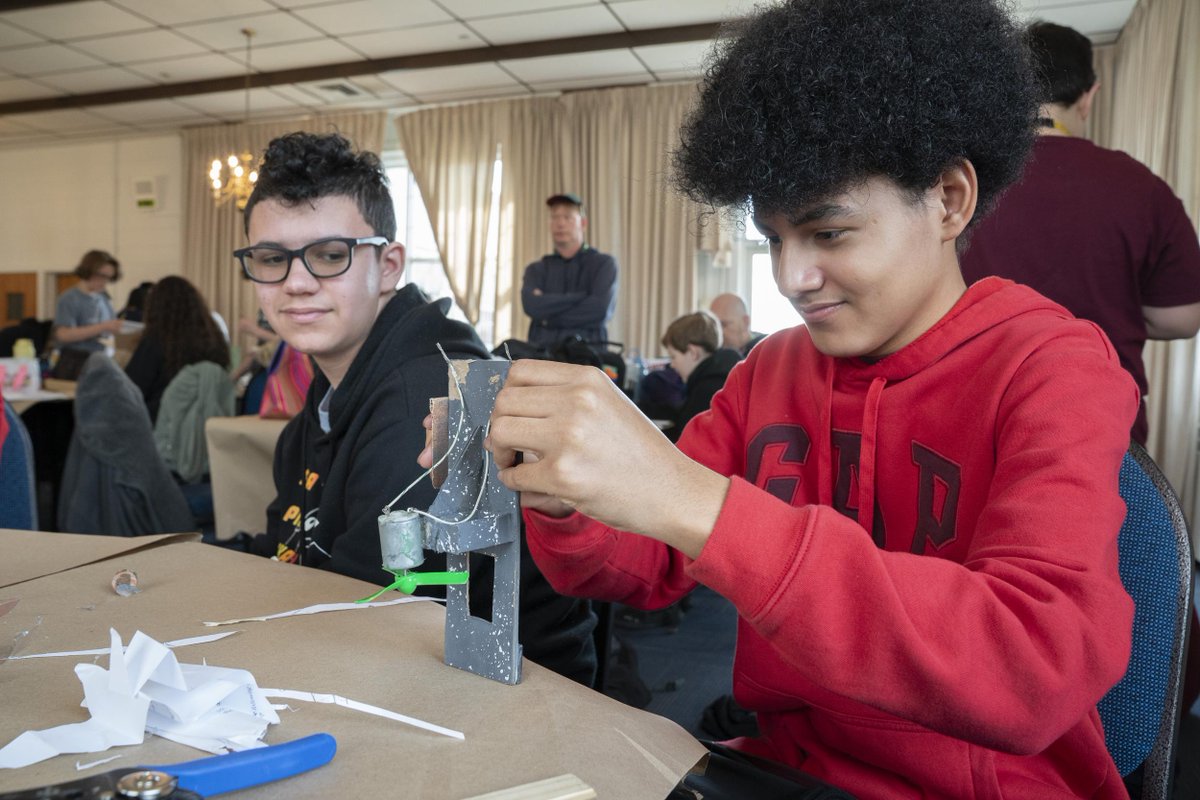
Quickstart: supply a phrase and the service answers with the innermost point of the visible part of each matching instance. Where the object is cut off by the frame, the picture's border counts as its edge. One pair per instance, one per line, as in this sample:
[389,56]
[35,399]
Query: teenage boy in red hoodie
[911,498]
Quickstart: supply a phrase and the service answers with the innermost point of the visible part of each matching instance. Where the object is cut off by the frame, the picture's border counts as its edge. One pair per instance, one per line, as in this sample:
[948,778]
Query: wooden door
[18,297]
[64,281]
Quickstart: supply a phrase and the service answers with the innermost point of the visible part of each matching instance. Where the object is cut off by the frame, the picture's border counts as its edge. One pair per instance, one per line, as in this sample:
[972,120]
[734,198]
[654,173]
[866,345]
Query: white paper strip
[320,609]
[100,651]
[338,700]
[81,767]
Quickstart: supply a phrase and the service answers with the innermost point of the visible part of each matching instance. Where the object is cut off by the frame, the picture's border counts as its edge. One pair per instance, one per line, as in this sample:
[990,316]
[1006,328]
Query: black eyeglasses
[325,258]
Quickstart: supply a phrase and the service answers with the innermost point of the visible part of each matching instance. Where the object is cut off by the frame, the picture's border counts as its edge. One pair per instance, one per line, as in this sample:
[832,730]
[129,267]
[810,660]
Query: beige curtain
[211,234]
[1149,106]
[533,170]
[611,146]
[451,151]
[619,148]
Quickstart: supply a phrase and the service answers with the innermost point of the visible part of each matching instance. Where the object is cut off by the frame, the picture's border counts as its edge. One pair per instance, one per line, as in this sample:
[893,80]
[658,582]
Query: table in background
[389,657]
[241,452]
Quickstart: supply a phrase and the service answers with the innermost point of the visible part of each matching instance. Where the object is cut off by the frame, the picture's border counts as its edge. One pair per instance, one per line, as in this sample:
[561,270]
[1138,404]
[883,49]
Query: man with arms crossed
[911,499]
[572,291]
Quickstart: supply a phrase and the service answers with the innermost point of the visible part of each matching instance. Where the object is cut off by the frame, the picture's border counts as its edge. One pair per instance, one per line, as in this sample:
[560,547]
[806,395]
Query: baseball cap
[565,197]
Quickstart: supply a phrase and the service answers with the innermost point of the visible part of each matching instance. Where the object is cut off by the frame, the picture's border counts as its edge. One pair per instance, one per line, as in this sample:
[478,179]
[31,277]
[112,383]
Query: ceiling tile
[145,46]
[301,54]
[681,57]
[410,41]
[231,106]
[277,27]
[639,14]
[90,18]
[536,26]
[177,12]
[67,119]
[304,3]
[594,82]
[372,84]
[148,111]
[472,94]
[470,9]
[191,68]
[294,93]
[44,58]
[104,79]
[572,67]
[363,16]
[10,36]
[13,89]
[9,127]
[449,79]
[331,92]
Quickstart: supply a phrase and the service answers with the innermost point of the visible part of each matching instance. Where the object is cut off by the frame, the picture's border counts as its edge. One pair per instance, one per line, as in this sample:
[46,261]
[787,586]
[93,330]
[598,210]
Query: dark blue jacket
[579,295]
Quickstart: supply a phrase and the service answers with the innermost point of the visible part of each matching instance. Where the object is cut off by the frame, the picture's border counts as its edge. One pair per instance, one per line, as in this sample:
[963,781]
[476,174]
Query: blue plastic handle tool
[246,768]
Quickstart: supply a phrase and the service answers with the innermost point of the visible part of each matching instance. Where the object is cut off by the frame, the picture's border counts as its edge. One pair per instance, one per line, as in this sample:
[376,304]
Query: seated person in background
[660,393]
[911,499]
[249,375]
[84,314]
[735,323]
[694,343]
[179,331]
[325,266]
[135,305]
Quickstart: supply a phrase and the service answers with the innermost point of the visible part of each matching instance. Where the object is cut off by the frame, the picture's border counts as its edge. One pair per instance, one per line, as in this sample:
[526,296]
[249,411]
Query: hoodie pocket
[943,767]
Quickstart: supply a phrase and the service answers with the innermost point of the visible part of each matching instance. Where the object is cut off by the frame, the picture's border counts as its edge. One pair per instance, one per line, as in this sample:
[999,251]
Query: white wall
[61,200]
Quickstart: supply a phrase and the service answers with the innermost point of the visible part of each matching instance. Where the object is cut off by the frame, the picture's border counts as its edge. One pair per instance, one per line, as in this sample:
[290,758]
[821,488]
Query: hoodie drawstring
[866,456]
[825,460]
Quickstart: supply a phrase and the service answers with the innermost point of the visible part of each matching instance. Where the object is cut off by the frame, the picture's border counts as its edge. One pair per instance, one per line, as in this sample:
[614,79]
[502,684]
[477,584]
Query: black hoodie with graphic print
[331,487]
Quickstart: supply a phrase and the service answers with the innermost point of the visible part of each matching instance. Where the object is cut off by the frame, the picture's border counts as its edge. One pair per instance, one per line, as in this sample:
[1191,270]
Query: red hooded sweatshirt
[958,649]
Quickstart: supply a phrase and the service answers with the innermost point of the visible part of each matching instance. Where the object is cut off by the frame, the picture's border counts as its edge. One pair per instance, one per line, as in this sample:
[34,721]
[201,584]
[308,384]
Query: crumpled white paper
[145,690]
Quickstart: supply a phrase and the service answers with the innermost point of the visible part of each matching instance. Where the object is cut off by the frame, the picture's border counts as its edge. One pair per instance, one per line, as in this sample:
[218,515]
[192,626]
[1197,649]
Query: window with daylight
[423,261]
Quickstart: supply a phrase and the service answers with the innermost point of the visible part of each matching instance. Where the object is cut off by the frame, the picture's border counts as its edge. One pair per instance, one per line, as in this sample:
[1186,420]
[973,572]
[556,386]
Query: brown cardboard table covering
[25,555]
[241,451]
[389,657]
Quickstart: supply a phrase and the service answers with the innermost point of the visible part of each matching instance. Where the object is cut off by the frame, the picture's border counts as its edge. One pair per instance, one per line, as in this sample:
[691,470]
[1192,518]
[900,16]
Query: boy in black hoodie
[325,266]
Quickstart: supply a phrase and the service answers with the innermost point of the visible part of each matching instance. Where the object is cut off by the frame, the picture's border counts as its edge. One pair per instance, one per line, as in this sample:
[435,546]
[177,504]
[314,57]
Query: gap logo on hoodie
[938,484]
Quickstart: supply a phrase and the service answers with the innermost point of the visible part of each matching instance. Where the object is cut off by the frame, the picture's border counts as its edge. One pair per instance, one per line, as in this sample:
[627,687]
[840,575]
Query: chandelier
[233,177]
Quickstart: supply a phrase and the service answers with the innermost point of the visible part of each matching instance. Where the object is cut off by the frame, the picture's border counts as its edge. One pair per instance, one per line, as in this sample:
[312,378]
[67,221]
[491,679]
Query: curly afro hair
[809,98]
[302,167]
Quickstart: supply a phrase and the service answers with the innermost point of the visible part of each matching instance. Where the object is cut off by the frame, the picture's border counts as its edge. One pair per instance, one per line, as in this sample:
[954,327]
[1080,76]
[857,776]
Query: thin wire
[458,432]
[482,487]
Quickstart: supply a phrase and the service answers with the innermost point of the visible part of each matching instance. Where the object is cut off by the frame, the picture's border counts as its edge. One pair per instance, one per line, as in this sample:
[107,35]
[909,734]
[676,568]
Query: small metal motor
[401,540]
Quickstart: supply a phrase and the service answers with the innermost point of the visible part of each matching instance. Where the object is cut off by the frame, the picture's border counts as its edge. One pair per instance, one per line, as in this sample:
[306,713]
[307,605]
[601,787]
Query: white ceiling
[90,46]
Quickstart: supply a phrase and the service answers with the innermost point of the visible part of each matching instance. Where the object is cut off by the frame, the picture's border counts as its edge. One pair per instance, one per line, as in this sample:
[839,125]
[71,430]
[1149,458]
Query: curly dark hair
[1062,60]
[178,317]
[809,98]
[302,167]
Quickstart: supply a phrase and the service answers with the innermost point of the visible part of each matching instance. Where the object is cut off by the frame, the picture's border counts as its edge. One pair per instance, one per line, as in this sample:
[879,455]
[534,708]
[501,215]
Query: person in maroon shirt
[1090,228]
